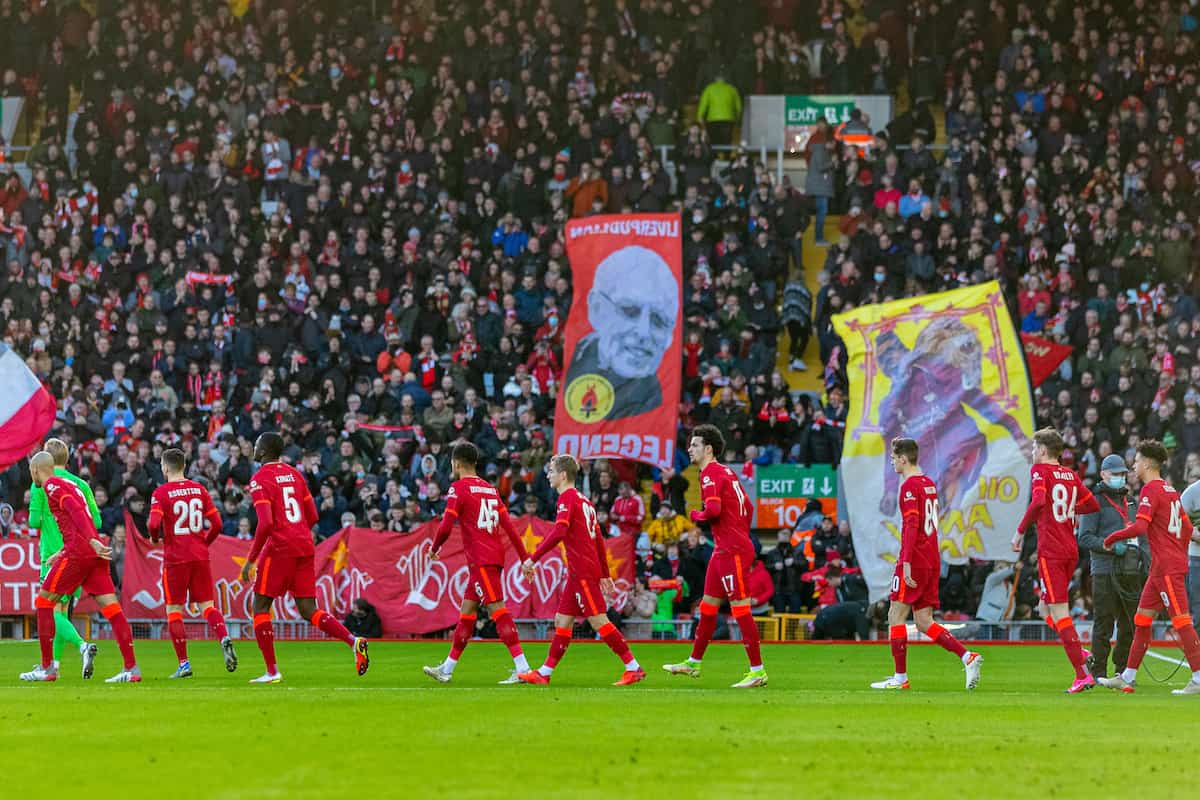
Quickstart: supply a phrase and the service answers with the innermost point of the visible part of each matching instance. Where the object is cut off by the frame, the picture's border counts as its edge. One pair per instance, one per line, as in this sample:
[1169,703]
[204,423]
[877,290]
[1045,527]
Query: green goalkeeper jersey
[50,537]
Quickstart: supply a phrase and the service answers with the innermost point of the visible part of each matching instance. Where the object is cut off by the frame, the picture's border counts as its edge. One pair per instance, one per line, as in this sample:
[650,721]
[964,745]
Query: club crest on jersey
[562,507]
[707,481]
[909,496]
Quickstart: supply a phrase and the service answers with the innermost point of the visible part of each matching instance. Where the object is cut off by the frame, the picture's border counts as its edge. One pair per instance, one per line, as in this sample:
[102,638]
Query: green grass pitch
[817,731]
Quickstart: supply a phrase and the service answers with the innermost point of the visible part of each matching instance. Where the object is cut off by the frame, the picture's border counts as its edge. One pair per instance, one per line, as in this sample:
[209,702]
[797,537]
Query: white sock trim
[1129,675]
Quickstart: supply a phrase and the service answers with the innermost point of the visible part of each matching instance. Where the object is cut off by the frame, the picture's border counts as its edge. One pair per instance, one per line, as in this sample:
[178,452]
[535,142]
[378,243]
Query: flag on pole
[26,409]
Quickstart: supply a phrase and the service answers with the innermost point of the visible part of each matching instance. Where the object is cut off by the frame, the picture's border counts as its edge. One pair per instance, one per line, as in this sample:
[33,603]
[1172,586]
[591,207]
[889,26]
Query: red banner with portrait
[622,343]
[412,593]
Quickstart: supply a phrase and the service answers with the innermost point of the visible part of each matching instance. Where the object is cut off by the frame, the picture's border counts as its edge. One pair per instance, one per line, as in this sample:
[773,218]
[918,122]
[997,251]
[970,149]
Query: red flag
[1043,357]
[622,342]
[26,408]
[412,594]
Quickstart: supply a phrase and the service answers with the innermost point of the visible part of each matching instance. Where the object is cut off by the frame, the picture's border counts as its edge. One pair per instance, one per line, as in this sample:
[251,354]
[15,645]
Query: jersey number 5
[291,506]
[189,516]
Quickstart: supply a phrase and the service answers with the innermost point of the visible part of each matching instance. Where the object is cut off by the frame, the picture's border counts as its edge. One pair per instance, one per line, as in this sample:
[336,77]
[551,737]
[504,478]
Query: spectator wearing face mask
[1117,574]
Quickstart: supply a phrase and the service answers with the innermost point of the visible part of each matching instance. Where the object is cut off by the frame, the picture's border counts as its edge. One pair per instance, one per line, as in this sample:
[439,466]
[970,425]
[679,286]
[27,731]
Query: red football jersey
[1060,493]
[281,491]
[179,510]
[576,527]
[919,523]
[731,526]
[1170,530]
[481,515]
[70,511]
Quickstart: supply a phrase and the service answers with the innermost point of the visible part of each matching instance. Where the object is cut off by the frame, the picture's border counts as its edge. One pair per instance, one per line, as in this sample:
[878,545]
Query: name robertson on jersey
[189,491]
[483,490]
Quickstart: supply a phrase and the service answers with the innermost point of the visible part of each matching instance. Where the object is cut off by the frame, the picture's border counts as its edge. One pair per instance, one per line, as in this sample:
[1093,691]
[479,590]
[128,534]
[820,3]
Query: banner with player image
[946,370]
[412,593]
[622,342]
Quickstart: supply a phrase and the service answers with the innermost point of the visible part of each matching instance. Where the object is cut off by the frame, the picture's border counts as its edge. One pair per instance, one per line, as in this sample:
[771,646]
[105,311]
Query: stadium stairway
[811,379]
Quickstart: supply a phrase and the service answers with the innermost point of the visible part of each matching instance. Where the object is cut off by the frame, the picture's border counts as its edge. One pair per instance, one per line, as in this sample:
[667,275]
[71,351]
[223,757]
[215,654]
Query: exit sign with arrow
[783,490]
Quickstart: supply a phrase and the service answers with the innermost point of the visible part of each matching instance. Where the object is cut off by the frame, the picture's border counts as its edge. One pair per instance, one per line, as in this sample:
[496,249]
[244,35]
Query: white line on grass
[1173,661]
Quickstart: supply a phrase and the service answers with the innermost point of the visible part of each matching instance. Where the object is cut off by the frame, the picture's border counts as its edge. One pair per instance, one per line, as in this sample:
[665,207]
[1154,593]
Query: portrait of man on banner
[623,340]
[632,309]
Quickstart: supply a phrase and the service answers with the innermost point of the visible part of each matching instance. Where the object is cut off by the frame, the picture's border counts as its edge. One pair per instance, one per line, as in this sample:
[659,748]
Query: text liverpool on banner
[412,593]
[947,371]
[622,343]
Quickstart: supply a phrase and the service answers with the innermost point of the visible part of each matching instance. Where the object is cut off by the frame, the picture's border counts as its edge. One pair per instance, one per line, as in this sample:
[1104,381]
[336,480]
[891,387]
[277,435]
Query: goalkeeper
[50,543]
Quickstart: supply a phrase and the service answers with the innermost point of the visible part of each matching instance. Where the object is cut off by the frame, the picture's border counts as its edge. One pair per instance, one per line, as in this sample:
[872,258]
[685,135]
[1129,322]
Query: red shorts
[278,575]
[485,583]
[1055,576]
[924,595]
[188,582]
[1166,592]
[581,597]
[71,573]
[727,576]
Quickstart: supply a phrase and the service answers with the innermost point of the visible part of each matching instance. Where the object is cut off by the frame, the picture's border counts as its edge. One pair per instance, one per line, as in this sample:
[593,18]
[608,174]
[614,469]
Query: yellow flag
[948,371]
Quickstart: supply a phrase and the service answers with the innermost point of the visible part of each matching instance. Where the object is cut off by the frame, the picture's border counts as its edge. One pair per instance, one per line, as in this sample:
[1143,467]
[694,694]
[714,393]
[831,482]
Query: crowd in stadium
[314,220]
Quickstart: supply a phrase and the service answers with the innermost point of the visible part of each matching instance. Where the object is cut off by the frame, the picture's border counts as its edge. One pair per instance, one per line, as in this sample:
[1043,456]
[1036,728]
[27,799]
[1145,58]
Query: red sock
[1070,641]
[462,634]
[616,642]
[216,623]
[45,623]
[264,634]
[331,627]
[1188,640]
[178,635]
[945,640]
[898,634]
[558,646]
[121,632]
[506,629]
[1141,640]
[745,621]
[704,630]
